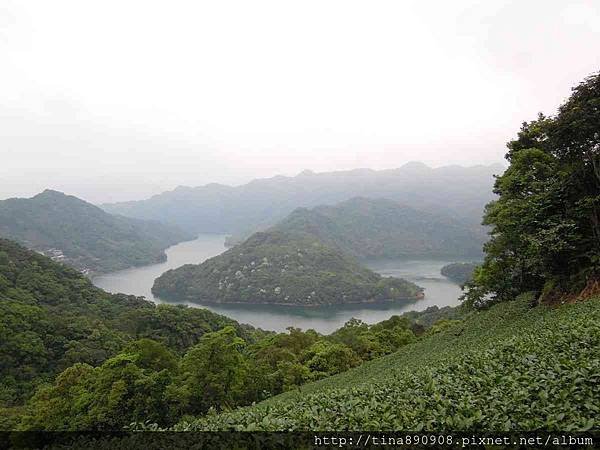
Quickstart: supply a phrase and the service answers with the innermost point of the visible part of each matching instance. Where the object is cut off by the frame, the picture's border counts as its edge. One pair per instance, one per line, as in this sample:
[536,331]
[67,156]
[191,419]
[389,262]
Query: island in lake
[283,268]
[312,256]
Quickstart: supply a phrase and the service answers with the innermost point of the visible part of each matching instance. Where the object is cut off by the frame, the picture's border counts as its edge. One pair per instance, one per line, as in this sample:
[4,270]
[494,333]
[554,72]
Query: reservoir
[439,290]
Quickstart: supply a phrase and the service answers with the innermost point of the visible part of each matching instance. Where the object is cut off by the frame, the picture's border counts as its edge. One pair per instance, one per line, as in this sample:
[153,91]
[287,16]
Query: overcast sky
[115,100]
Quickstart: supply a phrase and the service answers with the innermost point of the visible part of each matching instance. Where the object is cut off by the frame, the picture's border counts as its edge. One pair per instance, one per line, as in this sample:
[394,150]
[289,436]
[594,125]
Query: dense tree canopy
[74,357]
[147,382]
[52,317]
[546,220]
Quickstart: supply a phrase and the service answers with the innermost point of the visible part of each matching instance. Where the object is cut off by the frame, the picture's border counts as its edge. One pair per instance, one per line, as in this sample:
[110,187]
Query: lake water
[426,273]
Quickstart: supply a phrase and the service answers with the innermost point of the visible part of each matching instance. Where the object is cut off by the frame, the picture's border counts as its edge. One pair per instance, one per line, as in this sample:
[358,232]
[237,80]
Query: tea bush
[507,368]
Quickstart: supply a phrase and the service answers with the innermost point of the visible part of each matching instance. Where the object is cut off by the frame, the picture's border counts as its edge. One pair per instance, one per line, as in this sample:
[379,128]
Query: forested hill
[74,357]
[84,236]
[52,317]
[309,257]
[460,192]
[287,268]
[375,228]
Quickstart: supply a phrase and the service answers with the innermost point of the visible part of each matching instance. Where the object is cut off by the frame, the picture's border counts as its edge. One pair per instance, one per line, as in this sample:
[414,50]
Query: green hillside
[381,228]
[82,235]
[283,268]
[511,367]
[74,357]
[52,317]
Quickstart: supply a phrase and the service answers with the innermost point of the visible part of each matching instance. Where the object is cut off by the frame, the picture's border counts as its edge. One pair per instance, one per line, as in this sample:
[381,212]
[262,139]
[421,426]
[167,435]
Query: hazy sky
[114,100]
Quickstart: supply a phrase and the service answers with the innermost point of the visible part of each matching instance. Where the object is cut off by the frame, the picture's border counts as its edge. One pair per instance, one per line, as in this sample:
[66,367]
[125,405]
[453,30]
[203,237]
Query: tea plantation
[511,367]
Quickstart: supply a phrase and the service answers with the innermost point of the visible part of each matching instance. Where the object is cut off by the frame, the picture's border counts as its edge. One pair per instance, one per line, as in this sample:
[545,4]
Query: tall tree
[213,371]
[546,221]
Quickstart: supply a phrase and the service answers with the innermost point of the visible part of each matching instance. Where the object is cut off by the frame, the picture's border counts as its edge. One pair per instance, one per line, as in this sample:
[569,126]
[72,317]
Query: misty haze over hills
[380,228]
[459,192]
[268,217]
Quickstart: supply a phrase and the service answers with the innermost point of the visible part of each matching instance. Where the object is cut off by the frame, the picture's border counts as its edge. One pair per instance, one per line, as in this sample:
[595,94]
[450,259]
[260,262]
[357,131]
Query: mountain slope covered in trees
[459,192]
[307,258]
[286,268]
[51,317]
[84,236]
[380,228]
[74,357]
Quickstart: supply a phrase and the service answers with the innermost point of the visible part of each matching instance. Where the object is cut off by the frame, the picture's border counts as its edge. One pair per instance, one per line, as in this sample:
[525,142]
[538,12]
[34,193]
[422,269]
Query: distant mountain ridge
[460,192]
[84,236]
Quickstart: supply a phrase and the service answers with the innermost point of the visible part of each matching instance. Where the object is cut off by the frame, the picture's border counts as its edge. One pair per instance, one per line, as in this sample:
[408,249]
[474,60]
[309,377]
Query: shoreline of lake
[439,291]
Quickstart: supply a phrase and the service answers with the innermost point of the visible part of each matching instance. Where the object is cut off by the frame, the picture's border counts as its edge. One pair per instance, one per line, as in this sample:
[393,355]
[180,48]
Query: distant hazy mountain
[276,267]
[456,191]
[375,228]
[82,235]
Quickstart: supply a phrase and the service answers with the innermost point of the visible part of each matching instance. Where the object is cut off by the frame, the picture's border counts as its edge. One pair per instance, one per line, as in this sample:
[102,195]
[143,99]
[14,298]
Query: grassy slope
[511,367]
